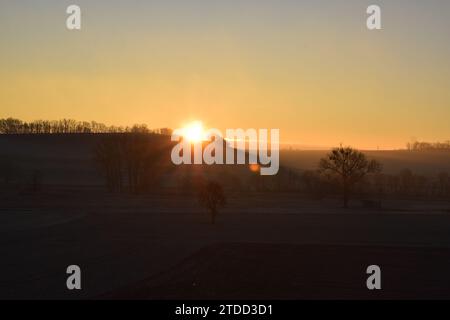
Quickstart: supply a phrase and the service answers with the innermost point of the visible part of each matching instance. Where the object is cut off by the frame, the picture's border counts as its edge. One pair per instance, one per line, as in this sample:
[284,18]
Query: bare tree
[64,126]
[212,198]
[349,166]
[134,160]
[108,157]
[11,126]
[141,157]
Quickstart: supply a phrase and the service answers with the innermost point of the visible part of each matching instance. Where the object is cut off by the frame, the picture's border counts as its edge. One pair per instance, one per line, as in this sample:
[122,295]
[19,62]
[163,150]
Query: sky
[309,68]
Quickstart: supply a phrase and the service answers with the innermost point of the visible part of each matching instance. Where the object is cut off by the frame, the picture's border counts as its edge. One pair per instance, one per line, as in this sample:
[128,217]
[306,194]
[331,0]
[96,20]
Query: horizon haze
[311,69]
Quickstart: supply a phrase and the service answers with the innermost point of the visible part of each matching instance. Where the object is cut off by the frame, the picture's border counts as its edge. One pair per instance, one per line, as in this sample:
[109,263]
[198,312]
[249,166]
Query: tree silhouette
[108,157]
[349,166]
[134,160]
[211,197]
[66,126]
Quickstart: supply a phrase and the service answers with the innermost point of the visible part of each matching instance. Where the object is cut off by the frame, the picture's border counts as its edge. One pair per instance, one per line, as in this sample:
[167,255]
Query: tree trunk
[346,195]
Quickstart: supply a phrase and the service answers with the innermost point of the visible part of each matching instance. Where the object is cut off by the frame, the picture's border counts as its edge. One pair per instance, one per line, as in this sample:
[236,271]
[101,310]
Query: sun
[193,132]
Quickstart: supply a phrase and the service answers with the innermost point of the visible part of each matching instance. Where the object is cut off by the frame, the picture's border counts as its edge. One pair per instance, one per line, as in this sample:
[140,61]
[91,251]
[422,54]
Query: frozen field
[140,241]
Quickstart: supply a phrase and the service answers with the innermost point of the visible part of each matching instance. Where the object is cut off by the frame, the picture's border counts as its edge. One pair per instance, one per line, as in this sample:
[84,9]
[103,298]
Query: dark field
[284,271]
[261,247]
[161,245]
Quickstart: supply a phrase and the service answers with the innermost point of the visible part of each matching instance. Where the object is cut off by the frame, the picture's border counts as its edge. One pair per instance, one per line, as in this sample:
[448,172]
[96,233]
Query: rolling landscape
[266,243]
[258,150]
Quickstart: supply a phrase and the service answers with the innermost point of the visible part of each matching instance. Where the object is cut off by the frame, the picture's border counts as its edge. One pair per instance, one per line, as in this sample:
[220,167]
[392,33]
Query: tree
[108,157]
[141,156]
[211,197]
[65,126]
[349,166]
[11,126]
[132,159]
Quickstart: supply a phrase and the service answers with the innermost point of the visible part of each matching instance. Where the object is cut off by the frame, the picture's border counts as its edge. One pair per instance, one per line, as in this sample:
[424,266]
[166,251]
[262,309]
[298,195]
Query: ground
[163,246]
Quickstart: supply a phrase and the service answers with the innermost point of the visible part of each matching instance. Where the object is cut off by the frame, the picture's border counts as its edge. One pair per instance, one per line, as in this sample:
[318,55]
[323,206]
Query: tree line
[344,172]
[131,162]
[348,174]
[65,126]
[422,146]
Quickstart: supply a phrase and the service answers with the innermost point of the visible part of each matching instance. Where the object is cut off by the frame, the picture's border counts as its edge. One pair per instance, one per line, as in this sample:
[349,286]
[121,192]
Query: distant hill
[68,159]
[62,158]
[427,162]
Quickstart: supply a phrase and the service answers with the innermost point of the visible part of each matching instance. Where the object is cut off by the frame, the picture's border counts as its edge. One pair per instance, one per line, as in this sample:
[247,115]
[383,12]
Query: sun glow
[193,132]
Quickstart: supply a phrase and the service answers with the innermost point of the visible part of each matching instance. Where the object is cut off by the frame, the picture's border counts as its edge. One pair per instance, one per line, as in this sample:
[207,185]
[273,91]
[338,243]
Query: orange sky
[312,70]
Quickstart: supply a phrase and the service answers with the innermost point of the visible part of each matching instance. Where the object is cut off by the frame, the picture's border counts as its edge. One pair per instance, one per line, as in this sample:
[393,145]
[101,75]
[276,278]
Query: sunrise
[193,152]
[311,69]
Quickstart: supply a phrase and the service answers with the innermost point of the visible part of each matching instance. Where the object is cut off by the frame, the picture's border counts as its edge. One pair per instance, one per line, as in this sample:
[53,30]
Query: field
[161,245]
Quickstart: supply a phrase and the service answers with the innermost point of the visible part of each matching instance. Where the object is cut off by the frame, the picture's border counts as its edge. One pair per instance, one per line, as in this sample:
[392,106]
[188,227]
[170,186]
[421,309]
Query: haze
[309,68]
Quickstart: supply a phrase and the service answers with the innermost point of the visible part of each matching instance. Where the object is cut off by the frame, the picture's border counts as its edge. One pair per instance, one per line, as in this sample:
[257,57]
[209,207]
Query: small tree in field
[212,198]
[349,166]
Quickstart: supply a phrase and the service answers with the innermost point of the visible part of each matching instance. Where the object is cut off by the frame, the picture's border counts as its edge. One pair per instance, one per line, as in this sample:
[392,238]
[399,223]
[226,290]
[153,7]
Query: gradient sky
[309,68]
